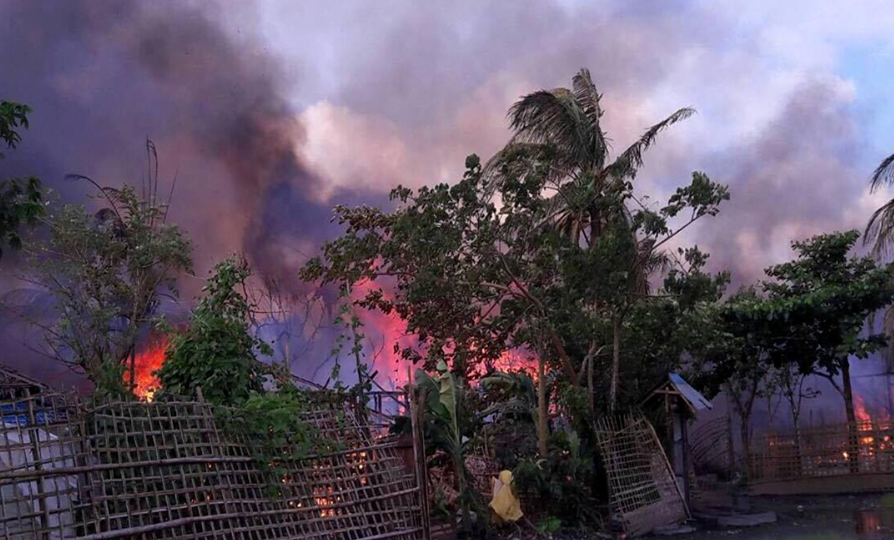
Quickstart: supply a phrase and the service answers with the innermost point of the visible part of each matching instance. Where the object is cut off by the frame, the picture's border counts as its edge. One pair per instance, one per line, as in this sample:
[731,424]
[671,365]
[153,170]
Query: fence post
[34,435]
[416,396]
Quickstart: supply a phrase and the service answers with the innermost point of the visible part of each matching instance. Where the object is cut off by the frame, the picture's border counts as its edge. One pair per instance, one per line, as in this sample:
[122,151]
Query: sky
[793,98]
[269,112]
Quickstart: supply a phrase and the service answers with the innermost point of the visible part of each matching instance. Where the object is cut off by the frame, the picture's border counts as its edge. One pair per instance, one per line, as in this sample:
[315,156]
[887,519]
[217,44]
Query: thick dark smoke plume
[103,76]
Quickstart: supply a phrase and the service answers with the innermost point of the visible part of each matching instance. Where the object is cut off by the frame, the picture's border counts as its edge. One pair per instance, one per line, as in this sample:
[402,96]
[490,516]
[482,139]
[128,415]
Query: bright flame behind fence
[148,360]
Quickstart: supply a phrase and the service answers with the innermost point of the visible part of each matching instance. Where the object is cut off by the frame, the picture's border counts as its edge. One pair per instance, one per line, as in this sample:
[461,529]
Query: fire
[860,410]
[147,361]
[384,331]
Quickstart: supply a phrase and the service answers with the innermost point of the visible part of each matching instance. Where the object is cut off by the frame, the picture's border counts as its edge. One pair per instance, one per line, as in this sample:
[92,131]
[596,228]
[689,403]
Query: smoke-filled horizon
[269,113]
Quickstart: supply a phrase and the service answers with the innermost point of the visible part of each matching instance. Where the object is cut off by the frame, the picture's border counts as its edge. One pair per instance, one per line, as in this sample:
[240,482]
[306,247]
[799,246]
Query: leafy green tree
[107,273]
[21,200]
[472,281]
[811,317]
[558,138]
[826,297]
[217,351]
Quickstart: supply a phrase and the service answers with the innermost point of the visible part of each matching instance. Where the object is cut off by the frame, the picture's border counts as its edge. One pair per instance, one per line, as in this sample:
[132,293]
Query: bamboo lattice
[163,470]
[643,491]
[710,447]
[823,451]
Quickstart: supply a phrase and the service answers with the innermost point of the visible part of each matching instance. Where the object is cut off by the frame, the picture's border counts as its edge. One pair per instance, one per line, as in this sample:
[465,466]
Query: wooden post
[33,432]
[416,398]
[669,426]
[684,450]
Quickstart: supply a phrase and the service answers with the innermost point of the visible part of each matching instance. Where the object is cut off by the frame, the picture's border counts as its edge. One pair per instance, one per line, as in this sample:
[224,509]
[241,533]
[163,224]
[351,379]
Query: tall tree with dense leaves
[21,201]
[473,281]
[557,135]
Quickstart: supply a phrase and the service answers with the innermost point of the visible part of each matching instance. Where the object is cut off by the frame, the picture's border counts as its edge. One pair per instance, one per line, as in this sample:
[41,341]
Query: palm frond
[588,98]
[552,117]
[880,229]
[630,160]
[884,173]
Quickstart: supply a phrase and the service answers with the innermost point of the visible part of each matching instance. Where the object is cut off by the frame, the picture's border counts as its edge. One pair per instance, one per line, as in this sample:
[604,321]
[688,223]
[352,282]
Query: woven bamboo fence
[164,470]
[710,447]
[823,451]
[642,488]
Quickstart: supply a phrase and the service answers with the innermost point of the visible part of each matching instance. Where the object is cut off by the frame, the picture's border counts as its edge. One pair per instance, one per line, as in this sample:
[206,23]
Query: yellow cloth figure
[505,503]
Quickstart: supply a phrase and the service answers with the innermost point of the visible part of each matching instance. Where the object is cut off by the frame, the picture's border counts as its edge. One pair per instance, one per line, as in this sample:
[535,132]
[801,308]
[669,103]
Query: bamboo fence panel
[823,451]
[642,488]
[164,470]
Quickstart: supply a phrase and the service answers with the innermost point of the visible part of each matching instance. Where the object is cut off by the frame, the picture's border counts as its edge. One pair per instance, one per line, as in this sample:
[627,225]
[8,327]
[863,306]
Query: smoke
[795,180]
[103,76]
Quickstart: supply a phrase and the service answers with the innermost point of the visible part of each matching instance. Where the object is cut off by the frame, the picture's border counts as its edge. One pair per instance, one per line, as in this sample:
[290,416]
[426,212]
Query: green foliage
[560,482]
[814,308]
[447,428]
[274,423]
[106,273]
[12,116]
[217,351]
[21,199]
[548,526]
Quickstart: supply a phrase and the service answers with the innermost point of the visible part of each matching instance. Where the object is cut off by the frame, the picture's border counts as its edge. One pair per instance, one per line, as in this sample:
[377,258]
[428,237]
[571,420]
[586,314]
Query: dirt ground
[842,517]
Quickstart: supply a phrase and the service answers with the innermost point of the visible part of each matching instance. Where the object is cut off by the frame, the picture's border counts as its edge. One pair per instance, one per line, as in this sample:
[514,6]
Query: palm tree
[880,228]
[558,133]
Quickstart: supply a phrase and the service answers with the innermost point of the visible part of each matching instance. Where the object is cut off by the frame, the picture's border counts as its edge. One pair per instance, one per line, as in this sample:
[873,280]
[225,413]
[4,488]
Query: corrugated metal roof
[692,396]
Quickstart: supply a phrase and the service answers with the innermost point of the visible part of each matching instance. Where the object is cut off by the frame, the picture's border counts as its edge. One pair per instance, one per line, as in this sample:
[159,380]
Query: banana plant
[443,428]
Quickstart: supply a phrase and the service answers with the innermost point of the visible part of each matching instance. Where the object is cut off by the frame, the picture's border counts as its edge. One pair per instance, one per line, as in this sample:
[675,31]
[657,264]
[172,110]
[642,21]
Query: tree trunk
[591,401]
[542,409]
[853,436]
[796,415]
[745,437]
[616,363]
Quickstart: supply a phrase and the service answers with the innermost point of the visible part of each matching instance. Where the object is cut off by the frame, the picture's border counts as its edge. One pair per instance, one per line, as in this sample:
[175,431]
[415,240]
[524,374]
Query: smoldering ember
[498,270]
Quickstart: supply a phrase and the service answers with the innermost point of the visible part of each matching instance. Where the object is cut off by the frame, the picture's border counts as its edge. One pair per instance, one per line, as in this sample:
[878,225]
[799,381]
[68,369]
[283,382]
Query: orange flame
[860,410]
[147,362]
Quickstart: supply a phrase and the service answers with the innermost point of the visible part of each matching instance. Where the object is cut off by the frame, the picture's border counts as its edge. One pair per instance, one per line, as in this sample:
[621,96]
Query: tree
[21,200]
[880,229]
[815,311]
[107,273]
[558,137]
[446,426]
[827,298]
[473,282]
[737,357]
[217,351]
